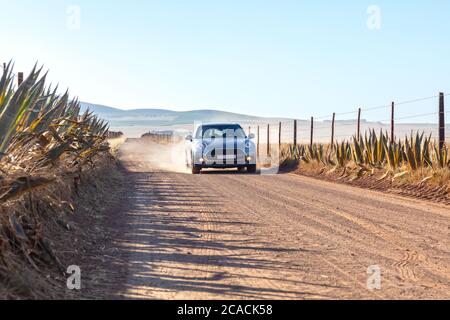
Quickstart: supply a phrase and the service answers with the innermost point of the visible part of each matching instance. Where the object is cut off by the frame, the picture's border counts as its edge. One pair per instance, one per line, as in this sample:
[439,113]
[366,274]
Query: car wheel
[251,169]
[196,169]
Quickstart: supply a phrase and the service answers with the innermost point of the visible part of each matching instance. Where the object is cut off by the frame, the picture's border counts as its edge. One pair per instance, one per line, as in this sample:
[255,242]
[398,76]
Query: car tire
[196,169]
[251,169]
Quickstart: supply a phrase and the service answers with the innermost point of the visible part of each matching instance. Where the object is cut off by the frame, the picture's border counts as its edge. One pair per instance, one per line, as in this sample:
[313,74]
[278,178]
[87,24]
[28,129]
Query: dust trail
[149,155]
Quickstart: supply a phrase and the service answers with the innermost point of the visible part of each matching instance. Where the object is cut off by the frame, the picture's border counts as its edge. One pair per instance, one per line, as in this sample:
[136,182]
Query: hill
[163,117]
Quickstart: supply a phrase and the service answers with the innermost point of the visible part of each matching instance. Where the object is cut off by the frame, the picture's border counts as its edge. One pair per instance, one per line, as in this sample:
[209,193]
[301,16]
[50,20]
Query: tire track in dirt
[228,235]
[209,270]
[259,274]
[202,269]
[413,254]
[316,232]
[404,268]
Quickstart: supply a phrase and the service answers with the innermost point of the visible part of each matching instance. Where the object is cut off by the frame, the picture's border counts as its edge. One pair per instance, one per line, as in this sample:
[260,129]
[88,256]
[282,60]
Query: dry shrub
[46,148]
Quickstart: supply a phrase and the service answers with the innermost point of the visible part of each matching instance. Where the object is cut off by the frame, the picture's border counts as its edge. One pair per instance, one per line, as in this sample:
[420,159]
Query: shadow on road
[169,245]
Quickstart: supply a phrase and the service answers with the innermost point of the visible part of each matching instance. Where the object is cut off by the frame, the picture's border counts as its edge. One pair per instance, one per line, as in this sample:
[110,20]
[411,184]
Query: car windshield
[220,131]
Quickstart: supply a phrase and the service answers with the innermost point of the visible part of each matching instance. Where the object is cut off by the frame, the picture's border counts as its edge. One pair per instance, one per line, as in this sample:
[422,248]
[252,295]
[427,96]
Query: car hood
[218,143]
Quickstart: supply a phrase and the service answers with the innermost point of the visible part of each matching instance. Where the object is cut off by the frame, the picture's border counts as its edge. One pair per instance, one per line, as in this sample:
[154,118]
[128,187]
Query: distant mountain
[101,110]
[161,117]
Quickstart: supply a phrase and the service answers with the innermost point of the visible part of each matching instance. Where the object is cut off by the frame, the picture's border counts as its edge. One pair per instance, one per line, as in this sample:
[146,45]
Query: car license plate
[227,157]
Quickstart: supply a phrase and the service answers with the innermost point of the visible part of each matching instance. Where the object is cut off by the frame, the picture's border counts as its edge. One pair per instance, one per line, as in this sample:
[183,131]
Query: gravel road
[229,235]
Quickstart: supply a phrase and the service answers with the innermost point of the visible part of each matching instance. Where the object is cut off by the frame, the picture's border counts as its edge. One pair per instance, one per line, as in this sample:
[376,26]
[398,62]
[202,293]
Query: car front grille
[226,156]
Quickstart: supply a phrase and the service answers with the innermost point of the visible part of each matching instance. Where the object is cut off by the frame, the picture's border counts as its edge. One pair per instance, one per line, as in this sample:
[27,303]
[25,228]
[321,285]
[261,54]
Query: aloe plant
[35,118]
[376,151]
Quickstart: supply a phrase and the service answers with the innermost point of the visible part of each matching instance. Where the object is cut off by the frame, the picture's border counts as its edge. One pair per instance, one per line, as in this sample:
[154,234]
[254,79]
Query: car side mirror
[251,136]
[189,138]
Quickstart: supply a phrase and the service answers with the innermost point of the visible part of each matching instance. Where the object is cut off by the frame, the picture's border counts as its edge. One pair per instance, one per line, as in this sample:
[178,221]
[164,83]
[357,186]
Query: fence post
[279,136]
[393,122]
[20,78]
[358,131]
[332,130]
[268,140]
[295,132]
[312,131]
[257,148]
[441,121]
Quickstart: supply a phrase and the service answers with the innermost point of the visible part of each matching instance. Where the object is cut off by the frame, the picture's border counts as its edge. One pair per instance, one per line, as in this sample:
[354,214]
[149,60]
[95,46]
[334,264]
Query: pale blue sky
[269,58]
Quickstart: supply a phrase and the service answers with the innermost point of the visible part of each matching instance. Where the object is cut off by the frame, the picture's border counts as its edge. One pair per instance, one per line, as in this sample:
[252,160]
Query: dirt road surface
[227,235]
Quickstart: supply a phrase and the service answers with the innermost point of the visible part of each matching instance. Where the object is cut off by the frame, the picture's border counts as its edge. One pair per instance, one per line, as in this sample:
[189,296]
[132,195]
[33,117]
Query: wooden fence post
[279,136]
[312,132]
[393,122]
[332,130]
[20,78]
[295,132]
[268,140]
[257,146]
[358,131]
[441,121]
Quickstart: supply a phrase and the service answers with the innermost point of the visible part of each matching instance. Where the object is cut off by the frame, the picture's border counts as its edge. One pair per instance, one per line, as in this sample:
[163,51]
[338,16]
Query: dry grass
[35,250]
[46,149]
[413,166]
[426,184]
[432,176]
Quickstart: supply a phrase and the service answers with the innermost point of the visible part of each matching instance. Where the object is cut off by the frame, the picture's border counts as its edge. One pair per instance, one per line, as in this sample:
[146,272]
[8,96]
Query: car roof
[212,124]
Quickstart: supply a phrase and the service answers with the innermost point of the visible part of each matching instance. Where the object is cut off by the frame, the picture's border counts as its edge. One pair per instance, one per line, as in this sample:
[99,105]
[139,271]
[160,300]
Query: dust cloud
[146,155]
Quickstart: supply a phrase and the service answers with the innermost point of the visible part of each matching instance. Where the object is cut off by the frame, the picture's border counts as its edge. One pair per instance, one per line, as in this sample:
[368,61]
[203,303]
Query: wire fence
[402,119]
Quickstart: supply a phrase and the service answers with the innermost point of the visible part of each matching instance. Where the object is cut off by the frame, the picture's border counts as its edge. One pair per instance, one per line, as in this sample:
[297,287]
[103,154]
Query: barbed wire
[349,135]
[328,117]
[382,106]
[354,122]
[306,130]
[417,116]
[337,114]
[338,124]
